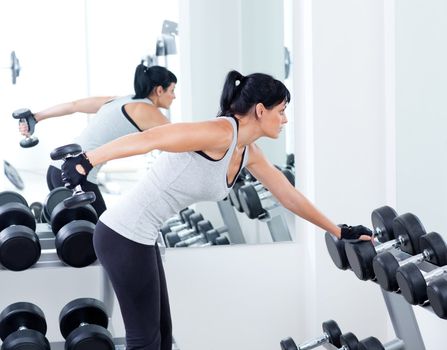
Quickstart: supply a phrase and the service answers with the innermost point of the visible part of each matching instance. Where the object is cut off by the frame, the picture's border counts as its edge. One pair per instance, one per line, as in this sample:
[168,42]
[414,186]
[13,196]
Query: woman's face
[167,96]
[273,120]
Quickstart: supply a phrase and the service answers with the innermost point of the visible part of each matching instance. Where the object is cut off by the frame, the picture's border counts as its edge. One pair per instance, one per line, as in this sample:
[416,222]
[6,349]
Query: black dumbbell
[36,209]
[371,343]
[73,228]
[12,197]
[214,236]
[53,198]
[79,197]
[404,235]
[331,335]
[251,196]
[179,232]
[23,326]
[336,250]
[437,295]
[234,193]
[83,323]
[413,282]
[177,223]
[25,116]
[206,235]
[177,219]
[19,244]
[385,265]
[382,222]
[348,341]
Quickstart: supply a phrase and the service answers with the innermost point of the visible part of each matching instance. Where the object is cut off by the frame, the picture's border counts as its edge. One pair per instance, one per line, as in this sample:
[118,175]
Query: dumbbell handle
[195,239]
[185,233]
[381,247]
[179,227]
[311,344]
[263,193]
[418,258]
[434,273]
[77,190]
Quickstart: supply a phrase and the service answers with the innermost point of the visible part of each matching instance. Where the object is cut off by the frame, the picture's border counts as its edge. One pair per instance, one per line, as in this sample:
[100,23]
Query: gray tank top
[175,181]
[110,122]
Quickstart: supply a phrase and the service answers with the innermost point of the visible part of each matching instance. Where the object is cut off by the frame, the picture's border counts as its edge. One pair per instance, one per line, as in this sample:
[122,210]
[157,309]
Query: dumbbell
[79,197]
[37,208]
[348,341]
[23,326]
[413,282]
[73,228]
[53,198]
[177,219]
[372,343]
[177,223]
[437,295]
[83,323]
[174,237]
[234,193]
[383,224]
[252,194]
[19,244]
[404,235]
[331,335]
[206,235]
[385,265]
[25,116]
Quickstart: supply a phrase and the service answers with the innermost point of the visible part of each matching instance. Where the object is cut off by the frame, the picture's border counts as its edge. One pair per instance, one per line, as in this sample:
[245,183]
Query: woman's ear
[159,90]
[259,109]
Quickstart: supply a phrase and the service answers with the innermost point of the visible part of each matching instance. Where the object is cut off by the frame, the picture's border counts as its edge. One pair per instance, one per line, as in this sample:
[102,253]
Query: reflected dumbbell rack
[249,196]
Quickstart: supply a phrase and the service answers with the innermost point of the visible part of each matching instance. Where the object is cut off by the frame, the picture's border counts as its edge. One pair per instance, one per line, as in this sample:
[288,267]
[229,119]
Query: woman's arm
[292,199]
[86,105]
[214,135]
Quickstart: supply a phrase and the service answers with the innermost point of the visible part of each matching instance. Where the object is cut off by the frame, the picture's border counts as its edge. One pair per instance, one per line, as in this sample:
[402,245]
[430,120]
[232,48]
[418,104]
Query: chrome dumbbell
[331,335]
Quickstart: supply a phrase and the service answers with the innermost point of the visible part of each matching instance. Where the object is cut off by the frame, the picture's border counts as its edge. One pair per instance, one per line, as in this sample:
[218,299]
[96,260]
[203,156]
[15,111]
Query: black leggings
[54,180]
[138,278]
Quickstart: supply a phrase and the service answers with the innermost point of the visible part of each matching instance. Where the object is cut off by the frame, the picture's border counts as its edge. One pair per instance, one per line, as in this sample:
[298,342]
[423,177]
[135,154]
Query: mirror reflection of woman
[200,162]
[114,117]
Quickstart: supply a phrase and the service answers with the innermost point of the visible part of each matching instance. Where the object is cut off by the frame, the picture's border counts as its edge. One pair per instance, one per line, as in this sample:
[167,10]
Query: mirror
[76,50]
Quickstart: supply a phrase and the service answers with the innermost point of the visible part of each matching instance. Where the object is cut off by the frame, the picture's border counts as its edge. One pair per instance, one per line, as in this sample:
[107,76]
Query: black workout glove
[354,232]
[31,123]
[70,175]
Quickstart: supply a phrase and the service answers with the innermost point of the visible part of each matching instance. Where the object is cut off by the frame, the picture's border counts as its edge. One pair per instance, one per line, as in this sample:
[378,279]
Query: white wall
[421,78]
[340,128]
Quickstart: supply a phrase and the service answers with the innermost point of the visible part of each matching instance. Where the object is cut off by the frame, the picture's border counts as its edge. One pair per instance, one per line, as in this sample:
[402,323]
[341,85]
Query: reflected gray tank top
[110,122]
[175,181]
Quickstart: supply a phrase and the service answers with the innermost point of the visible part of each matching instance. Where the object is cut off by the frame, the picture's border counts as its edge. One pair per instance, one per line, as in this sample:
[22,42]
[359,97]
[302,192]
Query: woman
[115,117]
[200,163]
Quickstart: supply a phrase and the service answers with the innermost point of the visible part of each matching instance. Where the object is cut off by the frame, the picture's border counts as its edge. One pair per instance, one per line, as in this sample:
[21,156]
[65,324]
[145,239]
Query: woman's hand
[356,232]
[75,170]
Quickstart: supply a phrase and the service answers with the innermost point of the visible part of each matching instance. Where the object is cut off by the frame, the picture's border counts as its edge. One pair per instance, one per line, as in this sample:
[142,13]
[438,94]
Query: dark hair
[240,94]
[147,78]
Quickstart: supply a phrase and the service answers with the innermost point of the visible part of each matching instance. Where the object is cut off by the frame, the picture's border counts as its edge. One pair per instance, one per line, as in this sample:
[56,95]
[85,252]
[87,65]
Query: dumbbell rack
[274,218]
[402,314]
[50,259]
[107,295]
